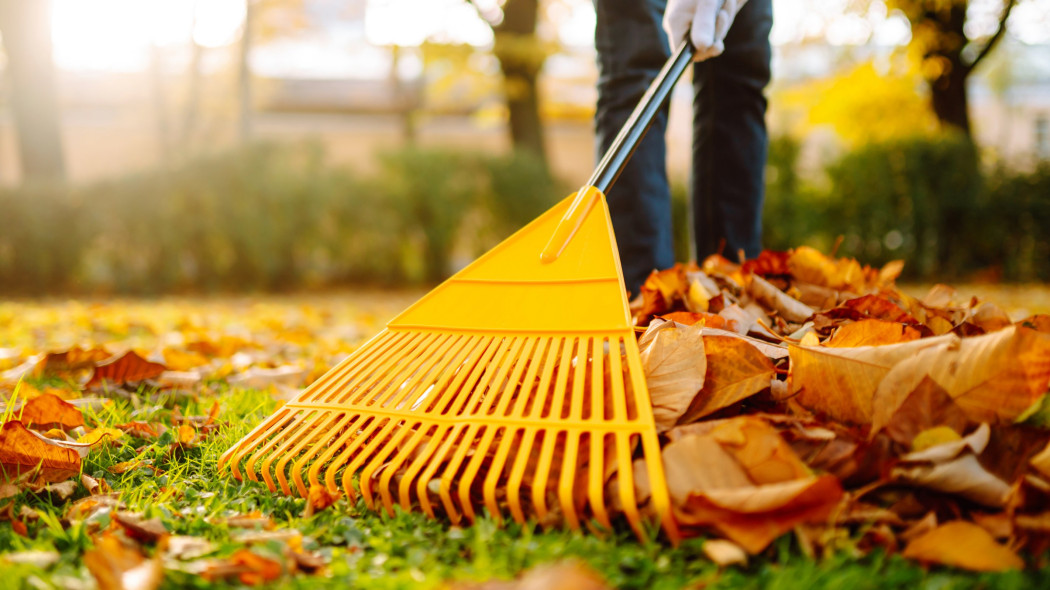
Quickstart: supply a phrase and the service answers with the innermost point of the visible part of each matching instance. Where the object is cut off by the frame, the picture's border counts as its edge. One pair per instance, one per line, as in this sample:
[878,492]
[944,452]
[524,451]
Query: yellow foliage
[863,105]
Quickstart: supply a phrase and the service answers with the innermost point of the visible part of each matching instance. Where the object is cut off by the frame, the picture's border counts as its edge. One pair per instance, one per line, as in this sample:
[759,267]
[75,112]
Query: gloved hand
[706,21]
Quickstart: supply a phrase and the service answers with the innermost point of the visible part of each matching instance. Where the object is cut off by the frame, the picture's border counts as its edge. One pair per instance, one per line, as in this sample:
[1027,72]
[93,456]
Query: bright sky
[116,35]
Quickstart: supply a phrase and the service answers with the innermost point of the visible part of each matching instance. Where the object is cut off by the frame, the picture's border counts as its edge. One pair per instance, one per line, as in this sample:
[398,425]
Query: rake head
[516,386]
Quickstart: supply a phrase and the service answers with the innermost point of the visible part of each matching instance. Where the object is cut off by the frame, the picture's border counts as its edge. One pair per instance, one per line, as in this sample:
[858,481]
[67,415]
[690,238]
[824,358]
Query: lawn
[254,352]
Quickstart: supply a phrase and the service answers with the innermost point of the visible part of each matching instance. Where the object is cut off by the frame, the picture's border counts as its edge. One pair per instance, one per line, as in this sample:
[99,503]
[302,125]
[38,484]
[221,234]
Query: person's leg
[632,47]
[730,142]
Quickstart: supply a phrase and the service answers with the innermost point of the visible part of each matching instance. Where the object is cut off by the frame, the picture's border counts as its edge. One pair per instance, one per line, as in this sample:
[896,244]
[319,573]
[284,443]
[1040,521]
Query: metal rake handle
[621,150]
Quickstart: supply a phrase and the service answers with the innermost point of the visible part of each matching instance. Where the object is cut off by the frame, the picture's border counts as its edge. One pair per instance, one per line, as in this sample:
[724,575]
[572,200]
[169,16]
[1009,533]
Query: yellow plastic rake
[516,385]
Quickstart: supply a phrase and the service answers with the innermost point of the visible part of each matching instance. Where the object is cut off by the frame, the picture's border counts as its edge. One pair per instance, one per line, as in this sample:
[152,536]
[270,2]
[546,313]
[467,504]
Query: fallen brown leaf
[994,377]
[128,368]
[772,298]
[48,410]
[318,499]
[22,452]
[117,566]
[674,364]
[140,529]
[964,545]
[871,333]
[841,382]
[736,370]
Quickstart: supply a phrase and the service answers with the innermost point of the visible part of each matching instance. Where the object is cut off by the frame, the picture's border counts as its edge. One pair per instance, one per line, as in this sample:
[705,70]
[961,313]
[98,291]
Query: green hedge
[268,217]
[274,217]
[924,200]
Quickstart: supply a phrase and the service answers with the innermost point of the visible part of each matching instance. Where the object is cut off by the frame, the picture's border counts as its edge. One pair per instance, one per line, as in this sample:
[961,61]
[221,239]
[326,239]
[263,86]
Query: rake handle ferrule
[621,150]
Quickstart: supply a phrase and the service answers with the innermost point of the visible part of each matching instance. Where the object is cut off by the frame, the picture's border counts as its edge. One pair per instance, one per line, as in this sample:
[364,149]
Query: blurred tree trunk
[26,29]
[244,77]
[407,103]
[949,56]
[192,107]
[521,58]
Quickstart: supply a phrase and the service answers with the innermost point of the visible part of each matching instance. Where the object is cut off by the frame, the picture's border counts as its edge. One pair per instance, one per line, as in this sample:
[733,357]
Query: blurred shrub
[909,198]
[1011,232]
[924,200]
[267,217]
[273,217]
[795,213]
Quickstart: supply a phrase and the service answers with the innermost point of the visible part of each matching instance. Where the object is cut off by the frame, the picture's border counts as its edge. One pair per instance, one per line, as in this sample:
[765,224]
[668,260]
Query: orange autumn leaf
[735,370]
[741,478]
[964,545]
[1039,323]
[690,318]
[64,364]
[755,517]
[992,378]
[50,410]
[841,382]
[871,333]
[118,566]
[186,434]
[183,360]
[319,498]
[23,452]
[96,436]
[142,429]
[769,262]
[254,568]
[881,308]
[128,368]
[811,266]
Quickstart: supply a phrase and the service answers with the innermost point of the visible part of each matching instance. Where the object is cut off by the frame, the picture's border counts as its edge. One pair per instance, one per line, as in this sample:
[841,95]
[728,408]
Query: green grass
[367,550]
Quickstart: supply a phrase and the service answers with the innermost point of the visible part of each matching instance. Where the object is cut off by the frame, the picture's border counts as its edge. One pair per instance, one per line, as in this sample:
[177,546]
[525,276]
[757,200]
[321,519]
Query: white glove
[706,21]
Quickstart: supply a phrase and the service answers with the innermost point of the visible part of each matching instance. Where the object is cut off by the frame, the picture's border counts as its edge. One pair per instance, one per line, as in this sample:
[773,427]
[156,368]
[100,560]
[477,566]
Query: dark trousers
[729,135]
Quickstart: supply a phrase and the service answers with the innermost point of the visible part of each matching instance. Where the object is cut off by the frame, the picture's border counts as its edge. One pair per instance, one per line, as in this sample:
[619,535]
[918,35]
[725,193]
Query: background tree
[521,55]
[26,29]
[949,53]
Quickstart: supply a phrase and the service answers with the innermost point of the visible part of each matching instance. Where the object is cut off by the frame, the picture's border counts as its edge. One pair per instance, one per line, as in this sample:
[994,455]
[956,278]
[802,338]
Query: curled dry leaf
[772,298]
[735,370]
[48,410]
[952,468]
[674,364]
[117,566]
[740,477]
[128,368]
[964,545]
[22,452]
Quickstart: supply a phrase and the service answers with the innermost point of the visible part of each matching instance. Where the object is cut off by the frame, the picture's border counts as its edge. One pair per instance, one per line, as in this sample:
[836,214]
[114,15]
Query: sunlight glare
[116,35]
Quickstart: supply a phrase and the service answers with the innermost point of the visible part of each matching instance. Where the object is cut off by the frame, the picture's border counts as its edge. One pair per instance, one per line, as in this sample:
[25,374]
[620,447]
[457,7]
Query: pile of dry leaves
[801,393]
